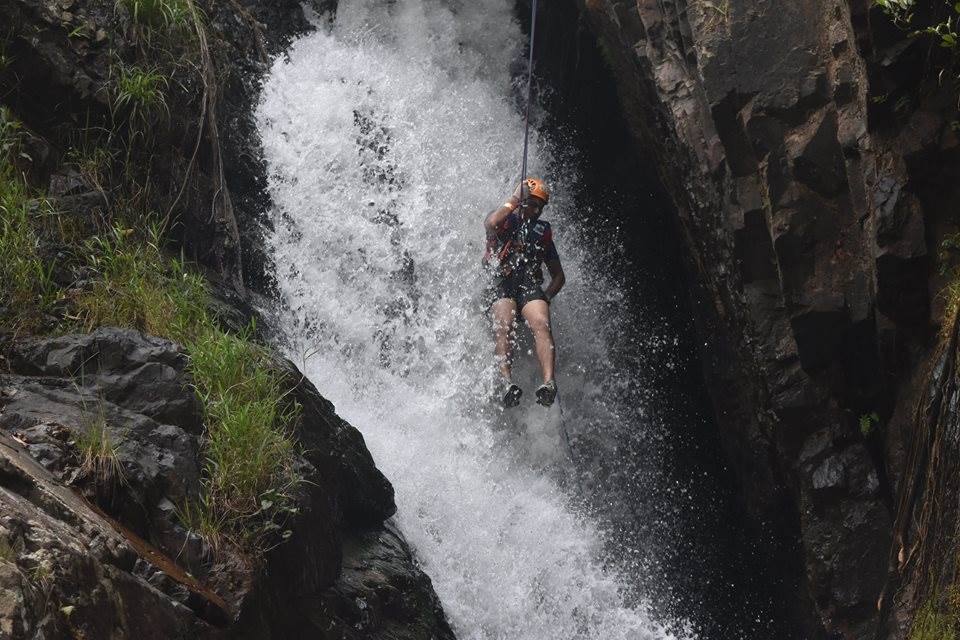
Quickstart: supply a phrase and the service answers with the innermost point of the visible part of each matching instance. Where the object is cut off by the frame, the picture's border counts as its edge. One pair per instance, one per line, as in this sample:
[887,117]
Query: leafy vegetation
[941,25]
[900,11]
[935,24]
[949,266]
[121,276]
[93,161]
[136,287]
[249,478]
[62,272]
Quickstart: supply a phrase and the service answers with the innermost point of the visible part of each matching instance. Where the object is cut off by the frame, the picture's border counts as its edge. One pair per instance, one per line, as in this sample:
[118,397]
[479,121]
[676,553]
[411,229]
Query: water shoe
[547,393]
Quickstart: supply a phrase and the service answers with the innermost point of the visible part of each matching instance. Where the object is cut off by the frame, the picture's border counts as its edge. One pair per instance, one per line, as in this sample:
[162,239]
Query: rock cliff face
[807,175]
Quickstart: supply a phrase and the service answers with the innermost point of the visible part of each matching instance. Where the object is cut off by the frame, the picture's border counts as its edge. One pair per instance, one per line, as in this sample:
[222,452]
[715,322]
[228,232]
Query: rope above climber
[519,243]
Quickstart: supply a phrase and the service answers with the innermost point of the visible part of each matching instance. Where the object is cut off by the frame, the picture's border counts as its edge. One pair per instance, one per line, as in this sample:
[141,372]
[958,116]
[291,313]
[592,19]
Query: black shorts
[520,286]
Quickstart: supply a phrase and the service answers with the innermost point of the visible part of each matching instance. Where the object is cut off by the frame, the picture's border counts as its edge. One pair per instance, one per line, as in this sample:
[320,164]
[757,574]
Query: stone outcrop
[99,551]
[808,180]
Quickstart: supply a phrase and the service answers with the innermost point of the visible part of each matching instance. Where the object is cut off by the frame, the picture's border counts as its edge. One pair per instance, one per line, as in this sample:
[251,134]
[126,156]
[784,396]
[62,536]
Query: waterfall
[389,133]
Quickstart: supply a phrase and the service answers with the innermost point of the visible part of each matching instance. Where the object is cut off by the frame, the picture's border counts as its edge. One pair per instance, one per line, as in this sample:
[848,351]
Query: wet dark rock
[264,30]
[820,164]
[133,386]
[818,333]
[139,373]
[809,208]
[68,572]
[138,388]
[331,443]
[378,595]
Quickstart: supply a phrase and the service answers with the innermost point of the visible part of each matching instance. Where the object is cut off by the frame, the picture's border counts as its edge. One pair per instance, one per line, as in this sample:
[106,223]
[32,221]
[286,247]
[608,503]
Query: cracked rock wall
[807,211]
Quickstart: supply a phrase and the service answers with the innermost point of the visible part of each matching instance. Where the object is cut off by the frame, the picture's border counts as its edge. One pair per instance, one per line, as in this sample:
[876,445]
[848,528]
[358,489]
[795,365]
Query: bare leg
[537,315]
[504,314]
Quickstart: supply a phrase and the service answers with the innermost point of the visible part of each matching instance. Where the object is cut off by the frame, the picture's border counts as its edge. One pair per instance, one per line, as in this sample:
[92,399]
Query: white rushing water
[389,134]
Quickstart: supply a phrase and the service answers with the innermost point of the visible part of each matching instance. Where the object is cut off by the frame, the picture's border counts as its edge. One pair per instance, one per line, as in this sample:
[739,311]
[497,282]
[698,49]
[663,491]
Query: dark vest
[522,250]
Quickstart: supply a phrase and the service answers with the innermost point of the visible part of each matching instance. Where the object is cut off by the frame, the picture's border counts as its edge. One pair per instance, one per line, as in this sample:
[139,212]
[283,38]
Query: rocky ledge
[88,552]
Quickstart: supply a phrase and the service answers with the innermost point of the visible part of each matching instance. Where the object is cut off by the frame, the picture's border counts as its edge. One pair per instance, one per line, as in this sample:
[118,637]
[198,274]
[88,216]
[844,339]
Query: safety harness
[523,247]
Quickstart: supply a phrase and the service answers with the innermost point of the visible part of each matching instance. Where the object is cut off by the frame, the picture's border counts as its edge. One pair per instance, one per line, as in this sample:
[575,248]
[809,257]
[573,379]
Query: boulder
[107,544]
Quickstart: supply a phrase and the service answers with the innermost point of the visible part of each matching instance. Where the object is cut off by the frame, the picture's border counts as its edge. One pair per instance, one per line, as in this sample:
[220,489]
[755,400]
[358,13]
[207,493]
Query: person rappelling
[519,243]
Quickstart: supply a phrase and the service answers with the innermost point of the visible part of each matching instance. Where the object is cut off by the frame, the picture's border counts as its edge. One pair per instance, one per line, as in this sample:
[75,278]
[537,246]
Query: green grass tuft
[250,479]
[140,93]
[203,517]
[27,291]
[930,624]
[98,450]
[93,160]
[120,276]
[136,287]
[158,14]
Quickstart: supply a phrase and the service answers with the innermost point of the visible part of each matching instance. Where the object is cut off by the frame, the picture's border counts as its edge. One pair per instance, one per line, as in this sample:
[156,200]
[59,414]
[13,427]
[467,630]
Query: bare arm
[557,279]
[495,218]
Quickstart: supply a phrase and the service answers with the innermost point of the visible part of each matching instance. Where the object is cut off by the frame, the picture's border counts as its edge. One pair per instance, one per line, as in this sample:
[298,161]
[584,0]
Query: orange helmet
[537,188]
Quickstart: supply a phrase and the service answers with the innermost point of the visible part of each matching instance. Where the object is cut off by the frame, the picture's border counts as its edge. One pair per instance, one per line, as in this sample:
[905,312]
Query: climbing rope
[523,178]
[526,117]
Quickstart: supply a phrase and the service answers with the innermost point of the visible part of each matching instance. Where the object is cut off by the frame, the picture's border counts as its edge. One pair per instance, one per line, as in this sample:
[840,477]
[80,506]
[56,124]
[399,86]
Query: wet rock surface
[67,570]
[808,206]
[106,555]
[377,595]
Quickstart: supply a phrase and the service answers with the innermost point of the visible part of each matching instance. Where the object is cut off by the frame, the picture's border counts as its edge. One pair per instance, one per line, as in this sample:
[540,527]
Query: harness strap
[522,239]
